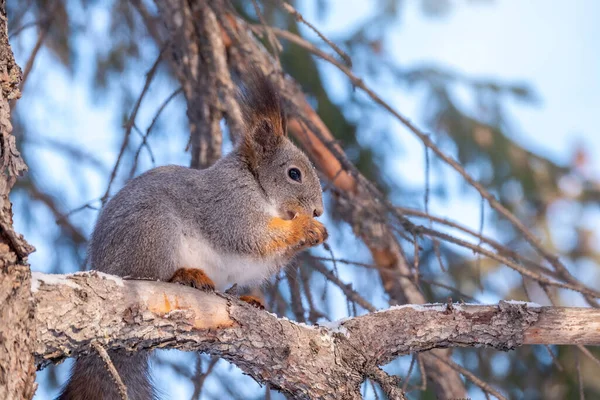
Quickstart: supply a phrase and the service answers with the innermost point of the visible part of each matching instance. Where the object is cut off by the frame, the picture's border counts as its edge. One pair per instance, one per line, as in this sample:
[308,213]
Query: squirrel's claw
[315,234]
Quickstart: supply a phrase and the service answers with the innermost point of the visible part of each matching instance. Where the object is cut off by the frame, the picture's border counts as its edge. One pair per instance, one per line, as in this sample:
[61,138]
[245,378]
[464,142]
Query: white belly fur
[224,269]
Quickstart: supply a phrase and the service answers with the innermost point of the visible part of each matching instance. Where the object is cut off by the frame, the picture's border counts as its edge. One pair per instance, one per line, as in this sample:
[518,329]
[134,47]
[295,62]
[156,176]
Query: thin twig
[350,293]
[31,24]
[502,249]
[470,376]
[200,376]
[313,313]
[554,359]
[410,369]
[291,274]
[49,201]
[438,255]
[43,32]
[38,45]
[374,389]
[129,124]
[86,206]
[579,377]
[20,14]
[416,272]
[427,180]
[287,7]
[401,275]
[149,130]
[478,262]
[111,368]
[422,372]
[589,354]
[275,45]
[300,42]
[525,272]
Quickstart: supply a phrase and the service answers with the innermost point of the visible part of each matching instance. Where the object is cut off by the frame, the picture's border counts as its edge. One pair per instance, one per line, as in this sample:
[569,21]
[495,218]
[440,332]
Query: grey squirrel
[236,222]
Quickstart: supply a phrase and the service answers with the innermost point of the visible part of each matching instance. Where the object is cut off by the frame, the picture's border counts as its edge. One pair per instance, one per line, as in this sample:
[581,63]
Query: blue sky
[552,45]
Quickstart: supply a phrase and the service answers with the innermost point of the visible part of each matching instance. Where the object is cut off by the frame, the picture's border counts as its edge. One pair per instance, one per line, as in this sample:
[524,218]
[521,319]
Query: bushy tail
[90,379]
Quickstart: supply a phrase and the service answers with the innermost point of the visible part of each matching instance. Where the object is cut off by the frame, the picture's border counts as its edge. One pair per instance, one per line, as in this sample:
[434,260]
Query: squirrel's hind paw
[193,277]
[253,301]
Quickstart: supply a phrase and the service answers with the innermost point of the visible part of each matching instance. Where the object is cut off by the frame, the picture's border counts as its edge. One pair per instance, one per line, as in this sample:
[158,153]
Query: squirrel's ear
[264,119]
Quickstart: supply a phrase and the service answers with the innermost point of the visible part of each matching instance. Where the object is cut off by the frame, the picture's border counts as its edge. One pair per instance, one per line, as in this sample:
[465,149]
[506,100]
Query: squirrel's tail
[91,380]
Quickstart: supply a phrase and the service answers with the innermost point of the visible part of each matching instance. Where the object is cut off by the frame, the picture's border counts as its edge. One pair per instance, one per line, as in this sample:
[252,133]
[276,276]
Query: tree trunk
[17,332]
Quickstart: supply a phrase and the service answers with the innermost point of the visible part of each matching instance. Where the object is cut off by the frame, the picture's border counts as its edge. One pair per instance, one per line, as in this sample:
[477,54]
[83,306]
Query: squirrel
[236,222]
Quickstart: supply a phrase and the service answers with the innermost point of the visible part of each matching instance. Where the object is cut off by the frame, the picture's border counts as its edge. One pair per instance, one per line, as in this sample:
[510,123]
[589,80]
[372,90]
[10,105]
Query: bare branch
[74,311]
[36,48]
[346,288]
[287,7]
[389,384]
[149,130]
[129,125]
[579,377]
[200,376]
[478,382]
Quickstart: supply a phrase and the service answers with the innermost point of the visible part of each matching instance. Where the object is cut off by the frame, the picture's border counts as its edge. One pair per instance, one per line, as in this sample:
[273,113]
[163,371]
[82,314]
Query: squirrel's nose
[317,212]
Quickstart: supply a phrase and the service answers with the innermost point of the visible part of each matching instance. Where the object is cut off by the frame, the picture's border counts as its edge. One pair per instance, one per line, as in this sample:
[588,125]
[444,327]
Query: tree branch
[72,312]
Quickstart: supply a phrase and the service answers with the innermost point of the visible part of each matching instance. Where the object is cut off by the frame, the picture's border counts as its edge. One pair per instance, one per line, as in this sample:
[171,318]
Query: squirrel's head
[283,171]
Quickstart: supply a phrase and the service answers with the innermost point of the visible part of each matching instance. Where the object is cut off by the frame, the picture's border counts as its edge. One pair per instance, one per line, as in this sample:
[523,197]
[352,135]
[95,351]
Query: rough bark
[196,55]
[17,335]
[133,315]
[197,74]
[318,362]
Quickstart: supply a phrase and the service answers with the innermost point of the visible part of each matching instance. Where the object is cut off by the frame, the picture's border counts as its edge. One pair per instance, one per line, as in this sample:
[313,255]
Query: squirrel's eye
[294,174]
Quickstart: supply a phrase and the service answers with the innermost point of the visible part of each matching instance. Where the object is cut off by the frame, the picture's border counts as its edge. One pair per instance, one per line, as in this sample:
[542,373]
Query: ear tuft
[263,116]
[260,101]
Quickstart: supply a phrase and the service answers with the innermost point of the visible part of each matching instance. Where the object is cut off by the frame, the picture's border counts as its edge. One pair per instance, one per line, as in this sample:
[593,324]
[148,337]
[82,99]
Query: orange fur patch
[288,234]
[283,234]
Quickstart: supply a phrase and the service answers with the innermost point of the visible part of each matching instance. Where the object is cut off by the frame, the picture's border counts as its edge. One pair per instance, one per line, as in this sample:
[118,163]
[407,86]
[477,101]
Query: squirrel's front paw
[193,277]
[314,233]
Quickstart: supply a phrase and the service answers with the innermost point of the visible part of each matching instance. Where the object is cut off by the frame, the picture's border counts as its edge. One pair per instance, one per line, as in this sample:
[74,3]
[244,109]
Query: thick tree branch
[73,312]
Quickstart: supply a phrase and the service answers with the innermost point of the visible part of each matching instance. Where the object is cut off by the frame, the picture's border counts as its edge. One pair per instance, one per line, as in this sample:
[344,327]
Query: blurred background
[511,89]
